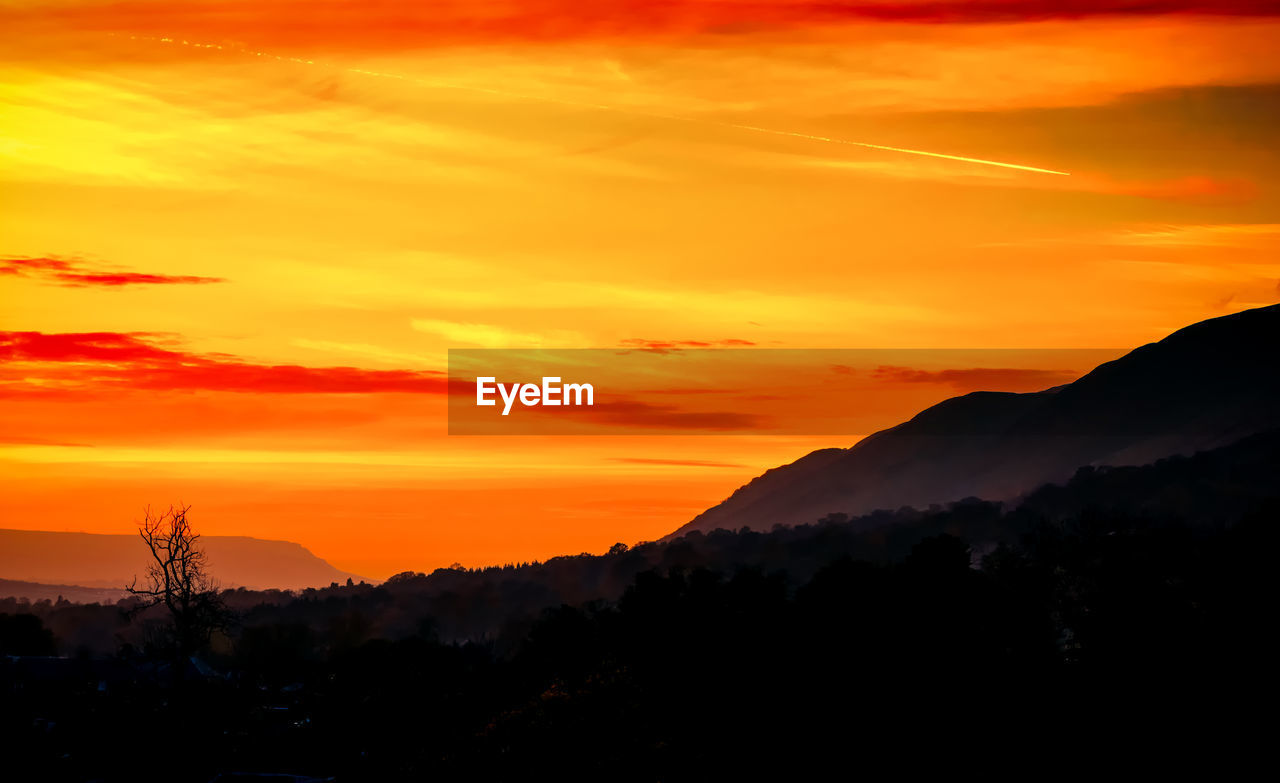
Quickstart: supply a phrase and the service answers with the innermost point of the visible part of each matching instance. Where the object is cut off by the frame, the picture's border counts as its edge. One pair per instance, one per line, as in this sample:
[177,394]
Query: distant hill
[34,591]
[1208,491]
[1204,386]
[1202,494]
[111,561]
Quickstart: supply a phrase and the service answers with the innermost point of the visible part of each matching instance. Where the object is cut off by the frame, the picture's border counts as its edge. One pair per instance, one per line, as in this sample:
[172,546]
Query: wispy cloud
[40,363]
[367,351]
[1191,189]
[670,346]
[1225,235]
[494,336]
[1251,236]
[978,378]
[682,463]
[76,273]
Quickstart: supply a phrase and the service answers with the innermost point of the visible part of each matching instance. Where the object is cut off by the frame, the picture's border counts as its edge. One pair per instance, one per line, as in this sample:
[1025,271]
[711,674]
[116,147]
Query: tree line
[1124,602]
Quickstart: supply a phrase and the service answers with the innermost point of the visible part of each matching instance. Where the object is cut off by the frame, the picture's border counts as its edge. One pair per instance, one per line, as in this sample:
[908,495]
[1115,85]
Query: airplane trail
[608,108]
[830,140]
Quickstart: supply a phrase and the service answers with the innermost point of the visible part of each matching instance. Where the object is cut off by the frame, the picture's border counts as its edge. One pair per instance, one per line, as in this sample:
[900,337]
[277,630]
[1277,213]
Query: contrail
[608,108]
[904,150]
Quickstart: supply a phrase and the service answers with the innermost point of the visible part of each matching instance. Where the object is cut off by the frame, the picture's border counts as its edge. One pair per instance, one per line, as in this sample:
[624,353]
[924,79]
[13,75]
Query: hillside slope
[1204,386]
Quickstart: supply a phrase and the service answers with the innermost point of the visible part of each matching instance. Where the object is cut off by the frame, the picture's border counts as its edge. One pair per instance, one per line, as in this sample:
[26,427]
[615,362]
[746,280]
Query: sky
[237,239]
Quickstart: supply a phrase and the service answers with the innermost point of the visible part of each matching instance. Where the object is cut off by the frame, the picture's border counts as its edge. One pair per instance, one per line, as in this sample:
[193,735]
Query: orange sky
[237,239]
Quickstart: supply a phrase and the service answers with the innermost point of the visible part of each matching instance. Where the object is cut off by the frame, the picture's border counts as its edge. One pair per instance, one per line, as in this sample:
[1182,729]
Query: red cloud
[96,360]
[24,265]
[116,347]
[978,378]
[991,11]
[381,24]
[73,273]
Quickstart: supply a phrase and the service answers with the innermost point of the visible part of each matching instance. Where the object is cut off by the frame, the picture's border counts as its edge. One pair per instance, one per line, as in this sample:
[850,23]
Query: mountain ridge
[112,560]
[1203,386]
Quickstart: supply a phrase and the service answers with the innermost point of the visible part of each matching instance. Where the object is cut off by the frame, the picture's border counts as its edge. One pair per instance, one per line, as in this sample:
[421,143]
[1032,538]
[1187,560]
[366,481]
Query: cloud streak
[977,378]
[1200,236]
[673,346]
[682,463]
[40,363]
[73,273]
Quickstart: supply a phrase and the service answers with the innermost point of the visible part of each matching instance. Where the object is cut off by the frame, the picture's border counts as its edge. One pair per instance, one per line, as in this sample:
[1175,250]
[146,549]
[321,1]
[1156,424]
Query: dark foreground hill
[1125,611]
[1203,386]
[112,561]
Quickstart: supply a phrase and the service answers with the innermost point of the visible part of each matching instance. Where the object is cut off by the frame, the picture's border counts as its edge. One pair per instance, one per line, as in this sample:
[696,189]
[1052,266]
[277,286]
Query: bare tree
[179,579]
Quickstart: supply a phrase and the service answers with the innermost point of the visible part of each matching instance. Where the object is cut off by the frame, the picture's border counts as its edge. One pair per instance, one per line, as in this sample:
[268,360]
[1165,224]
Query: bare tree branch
[179,579]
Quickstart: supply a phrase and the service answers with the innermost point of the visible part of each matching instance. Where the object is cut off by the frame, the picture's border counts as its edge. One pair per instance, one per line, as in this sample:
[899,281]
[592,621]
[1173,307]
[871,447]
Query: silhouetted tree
[25,634]
[179,579]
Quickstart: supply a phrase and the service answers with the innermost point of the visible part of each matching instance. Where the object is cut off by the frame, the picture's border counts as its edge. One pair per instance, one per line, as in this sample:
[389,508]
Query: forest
[1128,602]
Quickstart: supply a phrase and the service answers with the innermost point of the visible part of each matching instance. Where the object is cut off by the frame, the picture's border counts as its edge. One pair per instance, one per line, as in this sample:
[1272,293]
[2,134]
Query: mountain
[1201,387]
[111,561]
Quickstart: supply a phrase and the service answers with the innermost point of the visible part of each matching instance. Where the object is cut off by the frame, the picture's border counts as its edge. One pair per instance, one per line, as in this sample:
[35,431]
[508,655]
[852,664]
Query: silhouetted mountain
[1126,599]
[1203,386]
[112,561]
[1200,495]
